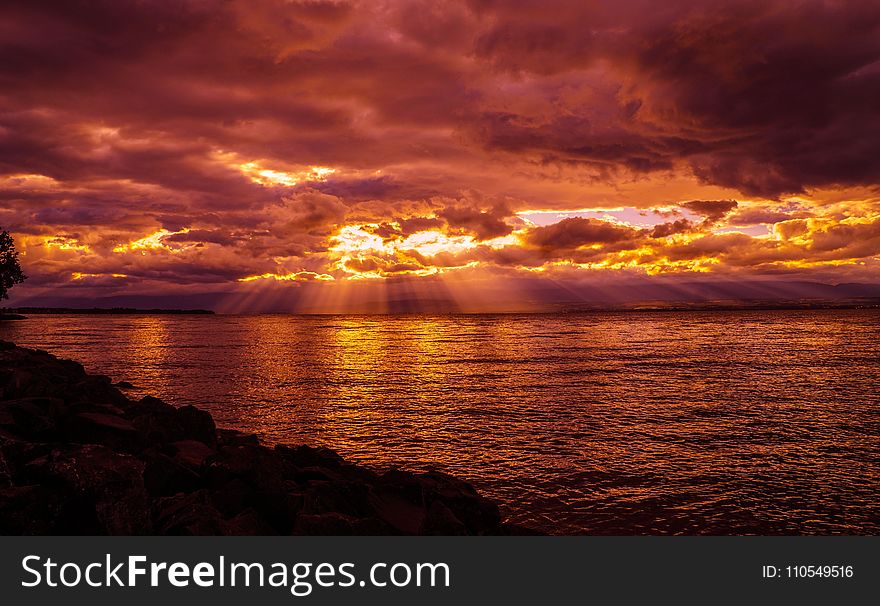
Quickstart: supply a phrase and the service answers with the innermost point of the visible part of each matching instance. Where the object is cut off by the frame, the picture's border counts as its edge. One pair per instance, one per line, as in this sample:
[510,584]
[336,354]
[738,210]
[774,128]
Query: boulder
[248,523]
[307,456]
[306,475]
[23,383]
[397,511]
[233,497]
[164,476]
[198,513]
[155,421]
[30,510]
[256,465]
[324,524]
[97,389]
[337,524]
[197,425]
[441,521]
[5,471]
[478,514]
[33,417]
[233,437]
[349,498]
[188,514]
[191,453]
[17,452]
[105,484]
[101,428]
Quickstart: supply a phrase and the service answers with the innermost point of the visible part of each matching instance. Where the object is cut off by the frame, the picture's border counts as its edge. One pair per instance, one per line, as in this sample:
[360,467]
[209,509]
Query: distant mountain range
[105,310]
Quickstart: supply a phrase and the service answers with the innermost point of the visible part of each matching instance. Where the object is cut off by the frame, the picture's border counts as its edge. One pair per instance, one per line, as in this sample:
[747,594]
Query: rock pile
[78,457]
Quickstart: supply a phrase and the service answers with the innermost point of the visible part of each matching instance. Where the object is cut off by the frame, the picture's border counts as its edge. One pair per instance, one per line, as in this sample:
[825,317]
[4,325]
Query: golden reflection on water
[148,343]
[359,356]
[674,422]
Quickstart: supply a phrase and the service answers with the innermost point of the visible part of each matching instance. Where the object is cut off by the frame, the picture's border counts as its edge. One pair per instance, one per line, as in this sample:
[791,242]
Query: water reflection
[679,422]
[148,346]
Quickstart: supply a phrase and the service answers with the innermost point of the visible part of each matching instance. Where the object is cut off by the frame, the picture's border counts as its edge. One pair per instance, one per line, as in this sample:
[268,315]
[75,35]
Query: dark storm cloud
[484,224]
[752,216]
[671,227]
[764,97]
[576,232]
[712,210]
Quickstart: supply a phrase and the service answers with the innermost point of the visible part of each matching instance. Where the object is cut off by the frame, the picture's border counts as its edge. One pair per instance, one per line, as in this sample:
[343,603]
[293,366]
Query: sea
[666,422]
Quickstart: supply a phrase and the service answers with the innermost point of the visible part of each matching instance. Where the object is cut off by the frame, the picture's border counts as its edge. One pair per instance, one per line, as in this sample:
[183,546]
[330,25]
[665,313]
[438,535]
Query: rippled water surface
[717,422]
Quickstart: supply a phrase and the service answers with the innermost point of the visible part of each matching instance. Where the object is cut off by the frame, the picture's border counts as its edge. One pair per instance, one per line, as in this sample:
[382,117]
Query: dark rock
[123,385]
[84,406]
[248,523]
[306,456]
[441,521]
[188,514]
[158,422]
[324,524]
[402,514]
[350,498]
[164,476]
[101,428]
[29,510]
[313,474]
[479,515]
[254,464]
[398,500]
[232,437]
[5,471]
[149,405]
[372,526]
[7,420]
[197,425]
[337,524]
[108,484]
[97,389]
[305,463]
[34,417]
[197,514]
[279,509]
[232,497]
[18,452]
[155,421]
[191,453]
[403,483]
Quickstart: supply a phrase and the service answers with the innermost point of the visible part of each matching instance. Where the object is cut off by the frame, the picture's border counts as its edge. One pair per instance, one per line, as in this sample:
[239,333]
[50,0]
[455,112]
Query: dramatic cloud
[575,233]
[712,210]
[147,148]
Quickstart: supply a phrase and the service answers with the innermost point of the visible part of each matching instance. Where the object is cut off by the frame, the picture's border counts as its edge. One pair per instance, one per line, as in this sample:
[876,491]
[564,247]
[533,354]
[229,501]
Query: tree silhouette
[10,270]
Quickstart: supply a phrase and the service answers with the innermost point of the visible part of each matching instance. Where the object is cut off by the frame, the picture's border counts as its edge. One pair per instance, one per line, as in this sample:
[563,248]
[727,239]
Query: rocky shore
[79,457]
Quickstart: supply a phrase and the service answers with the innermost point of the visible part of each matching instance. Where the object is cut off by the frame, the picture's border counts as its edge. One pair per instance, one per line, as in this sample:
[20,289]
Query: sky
[321,155]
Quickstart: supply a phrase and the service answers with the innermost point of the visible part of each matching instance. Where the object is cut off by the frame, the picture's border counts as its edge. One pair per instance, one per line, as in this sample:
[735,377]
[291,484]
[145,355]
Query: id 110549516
[812,571]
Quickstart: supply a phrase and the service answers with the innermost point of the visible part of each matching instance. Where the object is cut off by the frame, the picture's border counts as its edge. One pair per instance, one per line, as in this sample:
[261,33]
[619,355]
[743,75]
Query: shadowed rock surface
[78,457]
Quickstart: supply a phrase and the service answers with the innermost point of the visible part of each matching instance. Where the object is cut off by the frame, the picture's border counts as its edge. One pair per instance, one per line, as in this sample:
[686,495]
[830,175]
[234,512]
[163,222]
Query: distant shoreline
[744,306]
[105,310]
